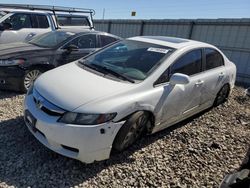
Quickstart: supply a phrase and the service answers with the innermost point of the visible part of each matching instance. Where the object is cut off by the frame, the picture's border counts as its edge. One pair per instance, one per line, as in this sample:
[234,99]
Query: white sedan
[137,86]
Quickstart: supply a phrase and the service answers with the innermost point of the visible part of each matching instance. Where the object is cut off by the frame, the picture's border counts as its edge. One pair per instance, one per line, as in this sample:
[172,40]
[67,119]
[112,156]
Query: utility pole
[103,13]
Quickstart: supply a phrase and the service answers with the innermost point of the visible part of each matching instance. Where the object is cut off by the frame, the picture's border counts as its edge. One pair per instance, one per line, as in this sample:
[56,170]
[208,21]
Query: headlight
[85,119]
[7,62]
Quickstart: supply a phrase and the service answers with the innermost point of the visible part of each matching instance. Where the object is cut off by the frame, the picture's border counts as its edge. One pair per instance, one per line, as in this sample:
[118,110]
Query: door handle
[222,74]
[31,34]
[200,82]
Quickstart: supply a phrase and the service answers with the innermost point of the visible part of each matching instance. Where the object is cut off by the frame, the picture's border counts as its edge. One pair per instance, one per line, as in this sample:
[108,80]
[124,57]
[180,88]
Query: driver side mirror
[71,48]
[179,78]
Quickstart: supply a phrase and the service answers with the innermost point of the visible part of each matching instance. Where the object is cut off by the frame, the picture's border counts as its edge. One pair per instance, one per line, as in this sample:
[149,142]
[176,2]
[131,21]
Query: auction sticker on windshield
[159,50]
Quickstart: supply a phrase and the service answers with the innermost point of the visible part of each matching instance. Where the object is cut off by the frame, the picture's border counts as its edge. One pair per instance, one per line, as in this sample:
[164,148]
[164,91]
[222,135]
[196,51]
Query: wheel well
[229,86]
[151,118]
[119,133]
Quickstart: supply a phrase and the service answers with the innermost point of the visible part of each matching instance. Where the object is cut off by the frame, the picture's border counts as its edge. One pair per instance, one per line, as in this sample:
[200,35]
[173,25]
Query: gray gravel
[195,153]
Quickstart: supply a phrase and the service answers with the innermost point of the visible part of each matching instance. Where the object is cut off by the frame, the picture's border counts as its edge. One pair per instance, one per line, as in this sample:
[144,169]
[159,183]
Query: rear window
[40,21]
[105,40]
[188,64]
[64,20]
[213,59]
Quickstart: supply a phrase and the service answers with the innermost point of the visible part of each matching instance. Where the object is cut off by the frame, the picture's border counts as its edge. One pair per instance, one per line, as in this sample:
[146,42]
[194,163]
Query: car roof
[79,31]
[172,42]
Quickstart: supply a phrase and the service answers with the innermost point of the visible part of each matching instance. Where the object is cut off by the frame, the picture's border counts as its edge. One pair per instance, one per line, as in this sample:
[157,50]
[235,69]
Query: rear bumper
[11,78]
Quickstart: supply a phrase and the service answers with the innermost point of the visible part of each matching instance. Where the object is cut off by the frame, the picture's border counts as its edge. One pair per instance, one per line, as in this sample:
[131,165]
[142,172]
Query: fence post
[191,30]
[142,28]
[109,26]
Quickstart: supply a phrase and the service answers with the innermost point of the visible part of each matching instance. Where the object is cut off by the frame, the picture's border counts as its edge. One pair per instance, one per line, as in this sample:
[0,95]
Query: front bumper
[84,143]
[11,78]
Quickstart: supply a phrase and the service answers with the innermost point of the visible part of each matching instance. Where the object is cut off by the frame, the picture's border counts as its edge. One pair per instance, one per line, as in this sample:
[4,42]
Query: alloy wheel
[30,77]
[135,131]
[222,95]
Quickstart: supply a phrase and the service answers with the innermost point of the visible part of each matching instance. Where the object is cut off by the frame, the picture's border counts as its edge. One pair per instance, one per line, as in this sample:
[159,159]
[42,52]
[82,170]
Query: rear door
[40,25]
[214,70]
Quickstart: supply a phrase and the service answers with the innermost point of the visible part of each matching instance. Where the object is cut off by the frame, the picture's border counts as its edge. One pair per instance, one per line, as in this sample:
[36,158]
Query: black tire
[30,76]
[222,95]
[131,131]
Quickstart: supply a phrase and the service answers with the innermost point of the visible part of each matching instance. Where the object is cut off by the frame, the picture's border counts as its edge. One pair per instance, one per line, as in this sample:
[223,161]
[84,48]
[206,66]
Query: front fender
[132,108]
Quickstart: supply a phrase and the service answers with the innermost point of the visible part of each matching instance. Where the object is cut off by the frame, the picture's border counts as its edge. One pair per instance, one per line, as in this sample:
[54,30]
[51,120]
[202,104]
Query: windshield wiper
[106,69]
[83,63]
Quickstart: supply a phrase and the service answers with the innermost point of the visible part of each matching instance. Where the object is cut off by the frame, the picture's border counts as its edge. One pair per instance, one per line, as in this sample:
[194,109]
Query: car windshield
[2,14]
[130,59]
[51,39]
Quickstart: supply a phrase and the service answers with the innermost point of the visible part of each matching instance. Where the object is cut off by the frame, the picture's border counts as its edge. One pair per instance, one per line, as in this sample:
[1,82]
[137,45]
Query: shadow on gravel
[8,94]
[242,99]
[25,162]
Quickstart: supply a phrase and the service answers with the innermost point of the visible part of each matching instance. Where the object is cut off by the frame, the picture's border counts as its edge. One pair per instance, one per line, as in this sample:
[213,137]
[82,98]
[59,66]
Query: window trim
[202,62]
[205,59]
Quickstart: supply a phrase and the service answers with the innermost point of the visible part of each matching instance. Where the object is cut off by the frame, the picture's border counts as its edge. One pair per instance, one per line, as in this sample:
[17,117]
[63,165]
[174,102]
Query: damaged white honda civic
[137,86]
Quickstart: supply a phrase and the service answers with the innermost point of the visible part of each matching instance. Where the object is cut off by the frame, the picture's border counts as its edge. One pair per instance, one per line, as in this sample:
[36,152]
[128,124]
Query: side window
[40,21]
[62,20]
[163,78]
[105,40]
[84,41]
[213,59]
[79,21]
[189,64]
[18,21]
[66,20]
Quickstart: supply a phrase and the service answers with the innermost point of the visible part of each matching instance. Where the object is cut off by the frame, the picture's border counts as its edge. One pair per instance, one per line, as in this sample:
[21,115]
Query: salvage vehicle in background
[23,22]
[111,98]
[22,63]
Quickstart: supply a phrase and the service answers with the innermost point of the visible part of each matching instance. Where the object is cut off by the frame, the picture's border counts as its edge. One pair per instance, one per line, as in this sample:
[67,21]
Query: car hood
[71,86]
[14,49]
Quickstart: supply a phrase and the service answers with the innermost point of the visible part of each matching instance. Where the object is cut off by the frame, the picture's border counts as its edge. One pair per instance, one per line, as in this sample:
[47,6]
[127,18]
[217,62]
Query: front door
[85,44]
[179,101]
[19,27]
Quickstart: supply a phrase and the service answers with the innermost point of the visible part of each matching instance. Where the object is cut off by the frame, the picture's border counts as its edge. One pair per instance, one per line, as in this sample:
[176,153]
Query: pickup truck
[20,23]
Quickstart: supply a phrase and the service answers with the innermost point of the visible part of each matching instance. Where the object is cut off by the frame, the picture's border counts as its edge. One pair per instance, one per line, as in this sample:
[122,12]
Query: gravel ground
[195,153]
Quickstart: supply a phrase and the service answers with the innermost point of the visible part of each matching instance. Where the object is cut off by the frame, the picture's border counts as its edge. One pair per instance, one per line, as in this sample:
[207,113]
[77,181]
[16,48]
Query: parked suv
[22,63]
[23,22]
